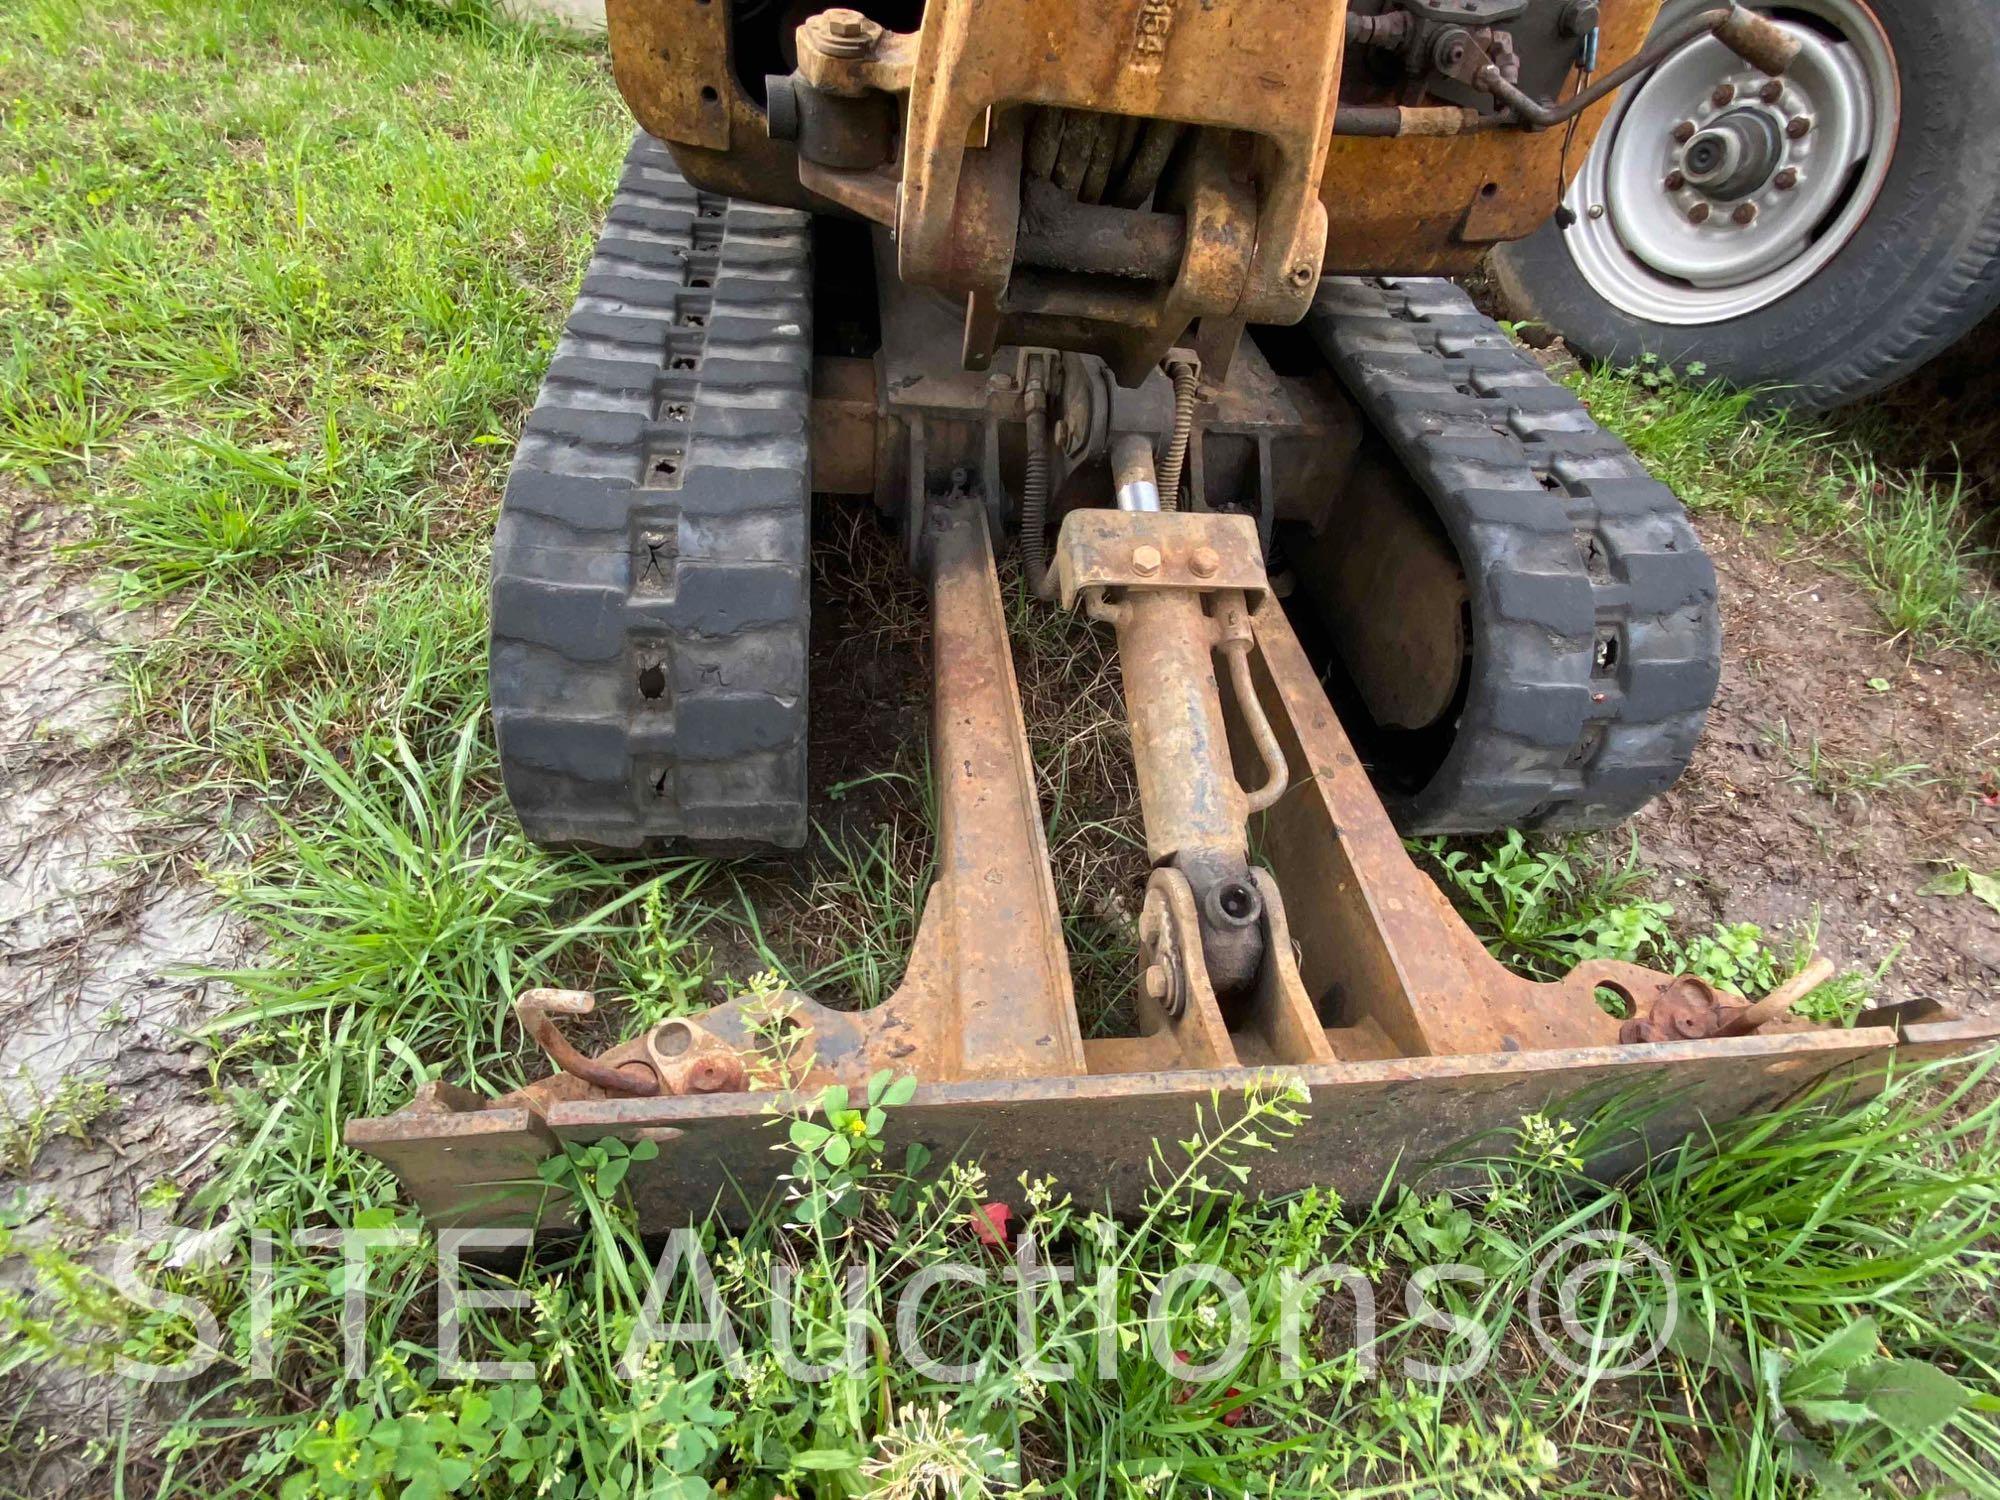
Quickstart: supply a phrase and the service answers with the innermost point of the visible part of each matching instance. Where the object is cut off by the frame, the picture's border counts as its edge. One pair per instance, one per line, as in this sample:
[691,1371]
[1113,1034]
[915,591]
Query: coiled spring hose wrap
[1035,496]
[1183,376]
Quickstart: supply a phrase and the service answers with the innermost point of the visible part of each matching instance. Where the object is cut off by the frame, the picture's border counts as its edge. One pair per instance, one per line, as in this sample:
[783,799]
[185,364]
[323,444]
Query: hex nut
[1786,180]
[1725,93]
[1684,132]
[1146,560]
[1155,981]
[1699,213]
[1798,127]
[1745,213]
[1676,180]
[1206,562]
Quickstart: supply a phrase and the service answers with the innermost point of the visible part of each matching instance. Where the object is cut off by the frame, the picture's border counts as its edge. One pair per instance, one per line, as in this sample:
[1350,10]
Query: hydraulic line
[1276,775]
[1183,375]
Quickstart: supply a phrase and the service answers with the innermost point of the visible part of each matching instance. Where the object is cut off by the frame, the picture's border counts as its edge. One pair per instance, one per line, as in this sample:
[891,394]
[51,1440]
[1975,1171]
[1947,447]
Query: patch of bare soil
[105,1110]
[1785,812]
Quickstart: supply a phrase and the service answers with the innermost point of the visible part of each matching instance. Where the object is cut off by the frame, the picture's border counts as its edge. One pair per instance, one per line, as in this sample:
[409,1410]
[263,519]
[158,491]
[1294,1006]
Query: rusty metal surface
[1372,994]
[1379,942]
[1150,551]
[1268,67]
[1414,204]
[670,59]
[537,1009]
[1096,1134]
[1016,1012]
[1361,567]
[1690,1008]
[846,426]
[1433,205]
[1188,796]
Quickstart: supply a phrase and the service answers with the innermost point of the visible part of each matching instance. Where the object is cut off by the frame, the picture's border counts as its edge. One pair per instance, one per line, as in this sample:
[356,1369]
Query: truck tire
[1850,232]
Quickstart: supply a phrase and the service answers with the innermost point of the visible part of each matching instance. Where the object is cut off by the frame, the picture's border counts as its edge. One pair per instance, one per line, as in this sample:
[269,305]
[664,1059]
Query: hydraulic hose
[1183,376]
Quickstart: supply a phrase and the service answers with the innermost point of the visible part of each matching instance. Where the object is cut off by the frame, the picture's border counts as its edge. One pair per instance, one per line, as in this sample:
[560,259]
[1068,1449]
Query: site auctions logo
[1567,1305]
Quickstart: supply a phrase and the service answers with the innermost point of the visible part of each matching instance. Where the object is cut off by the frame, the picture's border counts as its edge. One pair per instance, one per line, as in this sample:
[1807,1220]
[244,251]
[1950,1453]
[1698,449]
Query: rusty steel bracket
[674,1057]
[1201,551]
[1691,1009]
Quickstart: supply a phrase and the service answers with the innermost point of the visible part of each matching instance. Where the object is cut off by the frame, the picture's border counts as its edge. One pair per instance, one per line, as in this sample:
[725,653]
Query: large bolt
[1206,562]
[1684,132]
[1676,180]
[1786,180]
[1745,213]
[1155,980]
[1699,213]
[1798,127]
[1724,94]
[844,33]
[1146,560]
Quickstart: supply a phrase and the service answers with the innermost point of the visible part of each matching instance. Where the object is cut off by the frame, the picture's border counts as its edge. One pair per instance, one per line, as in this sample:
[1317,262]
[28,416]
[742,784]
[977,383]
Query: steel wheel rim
[1688,253]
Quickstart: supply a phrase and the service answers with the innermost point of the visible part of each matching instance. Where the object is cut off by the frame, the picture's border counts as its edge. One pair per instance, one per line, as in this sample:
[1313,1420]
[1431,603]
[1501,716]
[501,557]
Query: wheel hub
[1715,190]
[1736,156]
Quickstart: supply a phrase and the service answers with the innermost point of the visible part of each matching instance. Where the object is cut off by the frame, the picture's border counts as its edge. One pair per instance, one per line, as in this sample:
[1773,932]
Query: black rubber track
[649,595]
[1596,642]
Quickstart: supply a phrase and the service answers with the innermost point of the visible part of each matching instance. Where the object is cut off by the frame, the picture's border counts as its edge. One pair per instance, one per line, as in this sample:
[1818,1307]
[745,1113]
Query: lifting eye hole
[652,680]
[708,94]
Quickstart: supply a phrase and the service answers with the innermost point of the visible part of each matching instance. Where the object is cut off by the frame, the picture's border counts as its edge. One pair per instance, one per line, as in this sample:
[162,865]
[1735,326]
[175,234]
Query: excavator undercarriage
[1148,288]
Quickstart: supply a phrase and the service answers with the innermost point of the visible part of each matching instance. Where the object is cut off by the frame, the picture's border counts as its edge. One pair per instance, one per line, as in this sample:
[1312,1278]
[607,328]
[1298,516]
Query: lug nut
[1745,213]
[1786,180]
[1684,132]
[1771,92]
[1699,213]
[1146,561]
[1798,127]
[1676,180]
[1724,94]
[1205,563]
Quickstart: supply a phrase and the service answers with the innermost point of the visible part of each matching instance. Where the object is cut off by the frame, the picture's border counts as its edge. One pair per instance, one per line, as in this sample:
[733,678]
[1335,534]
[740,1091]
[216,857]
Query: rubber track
[649,590]
[1596,637]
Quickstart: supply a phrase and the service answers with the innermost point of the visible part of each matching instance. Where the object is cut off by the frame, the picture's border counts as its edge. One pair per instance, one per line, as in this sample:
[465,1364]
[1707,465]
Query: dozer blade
[1333,962]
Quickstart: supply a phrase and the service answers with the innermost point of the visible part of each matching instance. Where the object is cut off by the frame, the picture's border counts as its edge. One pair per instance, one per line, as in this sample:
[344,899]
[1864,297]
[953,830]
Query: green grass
[1908,536]
[279,282]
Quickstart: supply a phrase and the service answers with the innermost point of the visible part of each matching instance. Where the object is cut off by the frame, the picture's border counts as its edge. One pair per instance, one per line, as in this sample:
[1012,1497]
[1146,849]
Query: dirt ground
[105,1105]
[1752,834]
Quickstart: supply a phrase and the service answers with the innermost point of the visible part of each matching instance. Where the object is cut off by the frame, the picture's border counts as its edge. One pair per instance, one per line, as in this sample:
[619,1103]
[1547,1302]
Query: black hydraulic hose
[1175,457]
